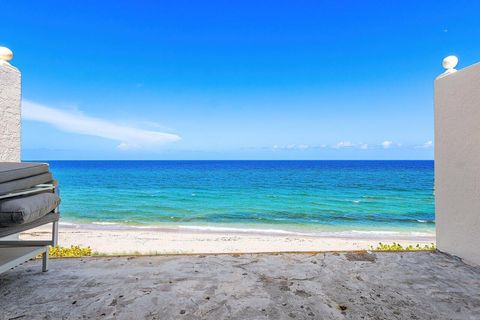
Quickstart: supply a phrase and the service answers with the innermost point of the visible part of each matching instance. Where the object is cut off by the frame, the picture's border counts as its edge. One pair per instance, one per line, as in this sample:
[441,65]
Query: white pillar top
[5,55]
[449,63]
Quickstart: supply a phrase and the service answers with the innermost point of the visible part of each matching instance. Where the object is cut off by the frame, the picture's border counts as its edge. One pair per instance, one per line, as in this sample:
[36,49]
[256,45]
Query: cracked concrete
[410,285]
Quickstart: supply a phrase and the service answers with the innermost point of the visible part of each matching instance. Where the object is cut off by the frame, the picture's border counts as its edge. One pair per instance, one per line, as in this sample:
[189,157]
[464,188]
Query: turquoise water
[313,196]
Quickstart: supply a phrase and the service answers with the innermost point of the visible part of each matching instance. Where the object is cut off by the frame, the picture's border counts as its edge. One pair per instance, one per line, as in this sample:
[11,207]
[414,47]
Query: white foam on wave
[420,234]
[146,227]
[374,232]
[104,223]
[67,224]
[245,230]
[241,230]
[341,234]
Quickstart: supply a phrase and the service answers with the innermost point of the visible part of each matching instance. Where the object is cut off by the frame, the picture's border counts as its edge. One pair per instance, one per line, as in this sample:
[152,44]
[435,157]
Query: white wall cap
[5,54]
[449,63]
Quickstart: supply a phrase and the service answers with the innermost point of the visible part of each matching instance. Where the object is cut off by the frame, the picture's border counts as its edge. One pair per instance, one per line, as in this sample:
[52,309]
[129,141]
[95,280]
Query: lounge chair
[28,199]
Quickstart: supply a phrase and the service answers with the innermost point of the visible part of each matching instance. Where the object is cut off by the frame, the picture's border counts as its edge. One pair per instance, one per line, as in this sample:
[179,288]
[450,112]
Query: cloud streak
[387,144]
[129,137]
[347,144]
[426,145]
[292,147]
[344,144]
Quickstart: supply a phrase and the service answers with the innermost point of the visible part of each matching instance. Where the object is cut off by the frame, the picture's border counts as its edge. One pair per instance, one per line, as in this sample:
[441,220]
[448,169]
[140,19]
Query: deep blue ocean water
[314,196]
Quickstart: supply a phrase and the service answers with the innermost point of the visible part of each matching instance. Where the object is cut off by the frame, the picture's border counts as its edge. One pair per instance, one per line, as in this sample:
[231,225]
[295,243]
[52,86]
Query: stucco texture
[10,110]
[457,163]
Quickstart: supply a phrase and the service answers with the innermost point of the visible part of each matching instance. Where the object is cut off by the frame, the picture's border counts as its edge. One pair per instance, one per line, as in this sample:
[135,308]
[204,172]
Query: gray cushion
[17,170]
[24,183]
[21,210]
[48,218]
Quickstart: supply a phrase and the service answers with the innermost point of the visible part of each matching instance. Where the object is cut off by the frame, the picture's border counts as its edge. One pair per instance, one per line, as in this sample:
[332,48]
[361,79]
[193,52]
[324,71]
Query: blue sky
[233,79]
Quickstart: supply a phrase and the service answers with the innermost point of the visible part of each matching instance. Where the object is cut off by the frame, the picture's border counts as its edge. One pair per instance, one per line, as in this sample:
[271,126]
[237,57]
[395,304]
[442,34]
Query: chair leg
[54,233]
[45,260]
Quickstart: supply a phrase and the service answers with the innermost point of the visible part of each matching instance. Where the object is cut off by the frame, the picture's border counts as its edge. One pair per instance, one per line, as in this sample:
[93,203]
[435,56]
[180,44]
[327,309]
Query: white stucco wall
[457,163]
[10,94]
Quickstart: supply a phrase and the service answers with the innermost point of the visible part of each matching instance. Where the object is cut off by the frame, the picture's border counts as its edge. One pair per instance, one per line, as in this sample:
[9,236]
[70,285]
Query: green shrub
[398,247]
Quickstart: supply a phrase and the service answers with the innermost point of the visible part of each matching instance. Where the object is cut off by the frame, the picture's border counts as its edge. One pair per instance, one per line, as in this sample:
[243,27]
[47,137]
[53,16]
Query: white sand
[171,240]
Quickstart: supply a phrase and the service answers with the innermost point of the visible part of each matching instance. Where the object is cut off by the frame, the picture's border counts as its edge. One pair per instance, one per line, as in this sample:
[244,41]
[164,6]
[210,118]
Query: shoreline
[267,230]
[116,239]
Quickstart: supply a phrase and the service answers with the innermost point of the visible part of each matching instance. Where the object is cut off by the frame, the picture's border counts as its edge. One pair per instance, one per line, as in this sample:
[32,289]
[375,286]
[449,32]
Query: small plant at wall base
[398,247]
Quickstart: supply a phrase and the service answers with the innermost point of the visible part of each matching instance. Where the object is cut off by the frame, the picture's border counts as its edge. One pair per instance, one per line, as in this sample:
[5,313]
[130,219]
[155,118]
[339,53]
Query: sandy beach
[174,241]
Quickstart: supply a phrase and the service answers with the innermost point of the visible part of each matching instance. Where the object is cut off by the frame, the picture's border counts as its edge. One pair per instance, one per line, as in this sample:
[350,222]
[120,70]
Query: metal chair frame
[16,252]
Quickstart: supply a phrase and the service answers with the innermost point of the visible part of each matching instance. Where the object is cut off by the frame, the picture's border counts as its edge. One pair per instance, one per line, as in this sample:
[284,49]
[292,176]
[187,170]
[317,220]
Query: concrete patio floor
[410,285]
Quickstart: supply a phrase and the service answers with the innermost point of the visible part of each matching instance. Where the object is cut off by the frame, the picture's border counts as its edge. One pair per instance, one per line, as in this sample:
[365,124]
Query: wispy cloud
[344,144]
[291,147]
[426,145]
[129,137]
[387,144]
[348,144]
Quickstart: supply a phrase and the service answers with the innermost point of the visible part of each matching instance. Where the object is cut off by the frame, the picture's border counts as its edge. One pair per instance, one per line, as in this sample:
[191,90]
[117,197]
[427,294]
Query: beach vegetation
[69,252]
[398,247]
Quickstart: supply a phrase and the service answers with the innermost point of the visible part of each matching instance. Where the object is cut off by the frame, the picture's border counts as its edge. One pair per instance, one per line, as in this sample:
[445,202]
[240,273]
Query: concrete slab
[414,285]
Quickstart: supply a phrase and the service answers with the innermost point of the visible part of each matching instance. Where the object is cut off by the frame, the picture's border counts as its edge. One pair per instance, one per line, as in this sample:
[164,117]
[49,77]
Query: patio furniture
[28,199]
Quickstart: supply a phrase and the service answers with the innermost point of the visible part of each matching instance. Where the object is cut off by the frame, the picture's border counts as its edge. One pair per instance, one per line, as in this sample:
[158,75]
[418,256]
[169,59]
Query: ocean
[307,197]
